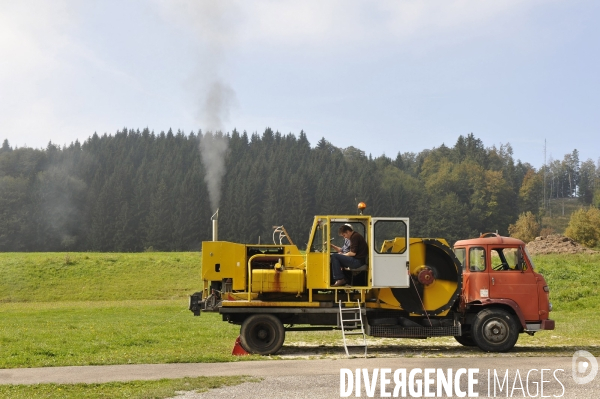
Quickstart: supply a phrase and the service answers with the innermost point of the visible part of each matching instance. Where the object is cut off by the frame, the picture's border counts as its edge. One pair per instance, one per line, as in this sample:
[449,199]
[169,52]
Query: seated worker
[344,248]
[353,259]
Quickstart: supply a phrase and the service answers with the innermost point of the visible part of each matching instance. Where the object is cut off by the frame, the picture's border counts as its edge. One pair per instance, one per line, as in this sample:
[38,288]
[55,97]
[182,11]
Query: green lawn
[95,308]
[574,282]
[59,277]
[111,332]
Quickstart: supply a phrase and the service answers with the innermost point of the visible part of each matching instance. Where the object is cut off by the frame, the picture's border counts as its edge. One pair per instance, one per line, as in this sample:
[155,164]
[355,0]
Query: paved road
[321,378]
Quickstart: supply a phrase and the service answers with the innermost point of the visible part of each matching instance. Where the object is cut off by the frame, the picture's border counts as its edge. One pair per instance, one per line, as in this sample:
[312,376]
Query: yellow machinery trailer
[409,287]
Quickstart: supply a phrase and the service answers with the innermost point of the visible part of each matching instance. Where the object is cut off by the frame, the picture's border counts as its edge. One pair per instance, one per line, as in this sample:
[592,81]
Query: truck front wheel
[495,330]
[262,334]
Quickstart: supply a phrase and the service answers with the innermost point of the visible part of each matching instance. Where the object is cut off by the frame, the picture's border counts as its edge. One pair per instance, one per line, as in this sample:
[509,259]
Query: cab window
[461,254]
[476,259]
[507,259]
[319,242]
[390,236]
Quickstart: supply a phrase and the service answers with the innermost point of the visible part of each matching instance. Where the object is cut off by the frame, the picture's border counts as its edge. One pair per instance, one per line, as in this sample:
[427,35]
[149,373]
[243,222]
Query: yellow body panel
[291,281]
[226,260]
[240,296]
[221,260]
[385,295]
[317,271]
[296,260]
[438,293]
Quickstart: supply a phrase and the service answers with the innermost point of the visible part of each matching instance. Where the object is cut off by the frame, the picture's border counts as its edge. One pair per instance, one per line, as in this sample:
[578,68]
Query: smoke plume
[213,147]
[219,99]
[214,28]
[213,150]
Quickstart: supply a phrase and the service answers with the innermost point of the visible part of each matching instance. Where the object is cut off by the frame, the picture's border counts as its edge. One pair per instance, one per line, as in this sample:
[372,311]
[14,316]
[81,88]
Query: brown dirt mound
[556,244]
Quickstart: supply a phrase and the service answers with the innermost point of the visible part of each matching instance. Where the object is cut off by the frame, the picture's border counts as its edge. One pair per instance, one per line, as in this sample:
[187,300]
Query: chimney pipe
[215,226]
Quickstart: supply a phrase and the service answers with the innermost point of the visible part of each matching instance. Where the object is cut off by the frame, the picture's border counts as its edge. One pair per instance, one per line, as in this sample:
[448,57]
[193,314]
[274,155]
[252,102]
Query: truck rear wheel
[262,334]
[495,330]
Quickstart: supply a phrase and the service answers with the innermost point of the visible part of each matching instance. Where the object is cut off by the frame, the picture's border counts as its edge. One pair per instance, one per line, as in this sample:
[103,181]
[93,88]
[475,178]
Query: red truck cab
[501,292]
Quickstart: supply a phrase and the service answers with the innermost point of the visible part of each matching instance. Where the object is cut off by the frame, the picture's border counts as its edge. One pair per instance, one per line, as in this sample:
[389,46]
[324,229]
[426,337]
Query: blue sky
[384,76]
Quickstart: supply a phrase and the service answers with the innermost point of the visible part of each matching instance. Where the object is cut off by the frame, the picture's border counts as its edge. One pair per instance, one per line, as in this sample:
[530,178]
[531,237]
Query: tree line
[137,190]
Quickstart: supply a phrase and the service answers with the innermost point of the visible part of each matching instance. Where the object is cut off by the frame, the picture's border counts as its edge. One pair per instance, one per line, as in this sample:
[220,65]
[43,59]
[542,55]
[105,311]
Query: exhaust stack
[215,226]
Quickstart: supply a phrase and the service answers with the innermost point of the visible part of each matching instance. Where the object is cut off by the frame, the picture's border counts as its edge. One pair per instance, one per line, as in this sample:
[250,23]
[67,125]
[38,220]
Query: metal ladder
[353,322]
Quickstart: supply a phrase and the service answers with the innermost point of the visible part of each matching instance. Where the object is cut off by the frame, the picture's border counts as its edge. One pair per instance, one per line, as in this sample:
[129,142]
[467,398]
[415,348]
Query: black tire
[262,334]
[465,340]
[495,330]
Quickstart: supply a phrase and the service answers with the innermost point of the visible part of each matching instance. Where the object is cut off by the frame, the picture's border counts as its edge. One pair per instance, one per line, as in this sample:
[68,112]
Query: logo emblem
[584,367]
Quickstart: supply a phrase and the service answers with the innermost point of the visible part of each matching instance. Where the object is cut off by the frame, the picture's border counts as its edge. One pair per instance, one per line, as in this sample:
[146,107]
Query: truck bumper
[543,325]
[547,324]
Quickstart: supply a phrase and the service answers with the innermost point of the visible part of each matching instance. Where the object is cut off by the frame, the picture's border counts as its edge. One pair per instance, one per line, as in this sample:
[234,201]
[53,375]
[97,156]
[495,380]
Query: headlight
[549,306]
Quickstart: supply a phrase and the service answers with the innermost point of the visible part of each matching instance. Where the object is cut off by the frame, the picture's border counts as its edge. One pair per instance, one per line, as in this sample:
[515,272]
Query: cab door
[317,256]
[511,278]
[475,275]
[389,252]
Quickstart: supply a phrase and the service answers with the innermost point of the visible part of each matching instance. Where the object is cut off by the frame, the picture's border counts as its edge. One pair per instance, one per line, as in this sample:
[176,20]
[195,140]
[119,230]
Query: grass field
[60,309]
[93,309]
[60,277]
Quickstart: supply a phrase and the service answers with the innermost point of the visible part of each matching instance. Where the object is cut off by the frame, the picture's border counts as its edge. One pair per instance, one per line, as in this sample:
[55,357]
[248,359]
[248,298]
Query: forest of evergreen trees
[135,190]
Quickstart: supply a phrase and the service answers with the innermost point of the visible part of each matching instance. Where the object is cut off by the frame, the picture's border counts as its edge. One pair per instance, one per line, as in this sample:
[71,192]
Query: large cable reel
[435,279]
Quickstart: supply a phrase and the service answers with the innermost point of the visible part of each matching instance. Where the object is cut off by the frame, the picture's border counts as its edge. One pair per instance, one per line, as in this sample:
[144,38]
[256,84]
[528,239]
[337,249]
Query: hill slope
[54,277]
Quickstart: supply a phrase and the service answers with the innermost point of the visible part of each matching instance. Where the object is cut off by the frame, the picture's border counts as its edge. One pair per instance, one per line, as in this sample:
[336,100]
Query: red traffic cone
[238,350]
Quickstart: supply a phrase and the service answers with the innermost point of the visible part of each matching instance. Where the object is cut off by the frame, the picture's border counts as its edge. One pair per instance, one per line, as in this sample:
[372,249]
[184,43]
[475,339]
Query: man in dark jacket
[344,248]
[353,259]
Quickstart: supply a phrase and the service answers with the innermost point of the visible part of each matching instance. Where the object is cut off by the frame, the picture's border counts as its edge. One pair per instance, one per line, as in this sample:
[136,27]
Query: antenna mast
[545,174]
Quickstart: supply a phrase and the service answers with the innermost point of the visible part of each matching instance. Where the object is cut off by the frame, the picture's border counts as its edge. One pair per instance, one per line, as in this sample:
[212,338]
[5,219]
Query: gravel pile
[556,244]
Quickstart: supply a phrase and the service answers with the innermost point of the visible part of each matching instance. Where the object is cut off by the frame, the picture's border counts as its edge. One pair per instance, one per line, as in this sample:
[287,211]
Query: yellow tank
[290,281]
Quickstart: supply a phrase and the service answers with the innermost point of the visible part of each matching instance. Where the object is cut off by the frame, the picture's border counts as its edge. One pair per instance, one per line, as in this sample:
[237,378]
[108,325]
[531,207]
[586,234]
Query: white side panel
[390,270]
